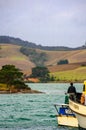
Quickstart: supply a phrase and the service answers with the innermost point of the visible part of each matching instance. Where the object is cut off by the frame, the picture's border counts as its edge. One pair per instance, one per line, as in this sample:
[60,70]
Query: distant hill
[11,54]
[26,55]
[18,41]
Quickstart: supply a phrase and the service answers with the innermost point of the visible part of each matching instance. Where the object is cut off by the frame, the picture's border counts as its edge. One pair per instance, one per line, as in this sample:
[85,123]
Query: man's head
[71,84]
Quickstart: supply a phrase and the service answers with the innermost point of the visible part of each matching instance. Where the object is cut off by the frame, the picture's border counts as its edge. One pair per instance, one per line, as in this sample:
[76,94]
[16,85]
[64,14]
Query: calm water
[33,111]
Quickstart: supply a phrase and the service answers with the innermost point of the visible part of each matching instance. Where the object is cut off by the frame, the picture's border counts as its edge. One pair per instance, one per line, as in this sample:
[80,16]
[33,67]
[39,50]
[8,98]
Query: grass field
[75,75]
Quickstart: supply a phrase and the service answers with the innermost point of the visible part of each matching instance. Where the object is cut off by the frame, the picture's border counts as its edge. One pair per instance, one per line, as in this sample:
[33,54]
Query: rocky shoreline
[21,91]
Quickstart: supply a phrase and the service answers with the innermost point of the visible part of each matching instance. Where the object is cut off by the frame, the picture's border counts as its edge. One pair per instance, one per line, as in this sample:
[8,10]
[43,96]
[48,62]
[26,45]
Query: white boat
[65,117]
[80,112]
[79,108]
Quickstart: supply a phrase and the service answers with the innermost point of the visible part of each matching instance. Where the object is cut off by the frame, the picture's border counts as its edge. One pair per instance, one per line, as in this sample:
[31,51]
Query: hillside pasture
[78,74]
[75,56]
[65,67]
[10,54]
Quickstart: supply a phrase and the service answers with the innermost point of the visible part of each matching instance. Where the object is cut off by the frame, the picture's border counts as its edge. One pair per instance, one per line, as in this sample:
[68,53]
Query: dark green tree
[9,74]
[63,62]
[41,72]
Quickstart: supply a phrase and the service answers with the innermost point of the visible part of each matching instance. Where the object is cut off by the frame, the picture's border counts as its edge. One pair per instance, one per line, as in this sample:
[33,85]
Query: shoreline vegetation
[11,90]
[22,91]
[11,81]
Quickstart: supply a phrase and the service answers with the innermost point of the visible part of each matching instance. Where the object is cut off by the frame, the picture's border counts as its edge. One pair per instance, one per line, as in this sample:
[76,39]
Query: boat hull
[67,120]
[81,121]
[80,112]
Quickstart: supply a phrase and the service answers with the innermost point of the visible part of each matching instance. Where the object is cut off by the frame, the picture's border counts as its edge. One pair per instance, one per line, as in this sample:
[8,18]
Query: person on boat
[66,99]
[71,91]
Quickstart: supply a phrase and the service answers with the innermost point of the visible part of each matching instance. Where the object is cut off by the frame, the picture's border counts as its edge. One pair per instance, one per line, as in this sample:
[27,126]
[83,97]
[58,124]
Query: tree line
[12,76]
[38,58]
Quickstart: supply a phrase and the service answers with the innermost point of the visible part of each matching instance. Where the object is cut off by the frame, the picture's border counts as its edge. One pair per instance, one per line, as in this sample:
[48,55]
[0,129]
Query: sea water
[33,111]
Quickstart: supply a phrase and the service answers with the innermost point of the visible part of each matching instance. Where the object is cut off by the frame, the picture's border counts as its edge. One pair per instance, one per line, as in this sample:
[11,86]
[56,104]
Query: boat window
[83,87]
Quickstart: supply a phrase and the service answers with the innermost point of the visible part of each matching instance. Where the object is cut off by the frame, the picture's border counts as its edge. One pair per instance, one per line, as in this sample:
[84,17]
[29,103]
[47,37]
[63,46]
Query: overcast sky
[45,22]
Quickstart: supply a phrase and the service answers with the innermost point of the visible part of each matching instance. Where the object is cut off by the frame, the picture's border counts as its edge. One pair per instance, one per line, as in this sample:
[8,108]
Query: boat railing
[63,109]
[60,105]
[76,97]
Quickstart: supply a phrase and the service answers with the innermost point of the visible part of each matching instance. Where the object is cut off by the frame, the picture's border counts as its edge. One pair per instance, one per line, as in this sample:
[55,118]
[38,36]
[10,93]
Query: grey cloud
[46,22]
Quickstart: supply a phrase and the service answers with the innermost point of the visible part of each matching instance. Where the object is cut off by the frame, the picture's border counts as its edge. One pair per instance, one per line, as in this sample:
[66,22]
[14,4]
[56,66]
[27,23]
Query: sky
[45,22]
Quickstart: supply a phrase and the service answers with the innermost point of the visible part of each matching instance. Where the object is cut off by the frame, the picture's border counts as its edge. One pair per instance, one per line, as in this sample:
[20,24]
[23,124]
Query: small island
[12,89]
[11,81]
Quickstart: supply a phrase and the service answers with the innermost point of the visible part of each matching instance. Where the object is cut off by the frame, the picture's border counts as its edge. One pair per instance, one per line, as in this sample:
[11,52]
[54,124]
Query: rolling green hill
[11,54]
[75,75]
